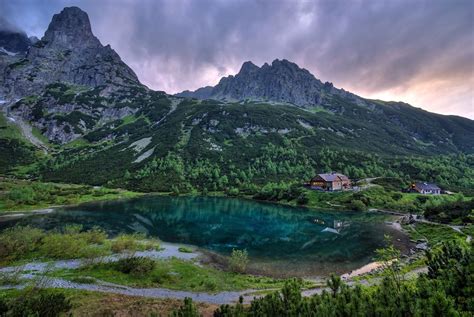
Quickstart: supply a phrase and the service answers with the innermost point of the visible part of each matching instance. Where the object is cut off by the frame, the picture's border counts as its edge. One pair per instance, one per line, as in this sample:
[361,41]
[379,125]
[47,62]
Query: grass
[175,274]
[379,198]
[319,199]
[185,250]
[435,234]
[320,109]
[37,133]
[469,230]
[128,119]
[77,143]
[9,130]
[25,195]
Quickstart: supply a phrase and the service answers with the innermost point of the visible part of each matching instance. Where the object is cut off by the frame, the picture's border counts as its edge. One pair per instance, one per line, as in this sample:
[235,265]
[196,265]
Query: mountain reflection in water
[280,240]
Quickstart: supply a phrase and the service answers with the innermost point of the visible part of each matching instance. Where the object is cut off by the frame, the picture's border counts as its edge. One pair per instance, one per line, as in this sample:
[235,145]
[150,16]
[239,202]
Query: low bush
[26,242]
[63,246]
[18,241]
[38,302]
[185,250]
[461,211]
[9,278]
[132,243]
[188,309]
[238,261]
[137,266]
[125,242]
[358,205]
[95,236]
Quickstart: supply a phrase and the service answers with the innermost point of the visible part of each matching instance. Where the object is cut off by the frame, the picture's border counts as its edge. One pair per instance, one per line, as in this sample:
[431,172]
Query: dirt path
[33,272]
[217,298]
[167,251]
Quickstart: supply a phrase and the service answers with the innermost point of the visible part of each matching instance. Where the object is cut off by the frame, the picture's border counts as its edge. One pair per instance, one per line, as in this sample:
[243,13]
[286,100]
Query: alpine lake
[281,240]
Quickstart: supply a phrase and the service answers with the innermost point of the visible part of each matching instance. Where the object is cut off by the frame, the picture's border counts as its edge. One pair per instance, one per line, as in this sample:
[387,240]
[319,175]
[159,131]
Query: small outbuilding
[330,182]
[425,188]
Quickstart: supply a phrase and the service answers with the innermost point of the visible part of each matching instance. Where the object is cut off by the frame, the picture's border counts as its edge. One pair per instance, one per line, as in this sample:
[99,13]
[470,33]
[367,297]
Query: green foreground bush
[238,261]
[137,266]
[35,302]
[72,242]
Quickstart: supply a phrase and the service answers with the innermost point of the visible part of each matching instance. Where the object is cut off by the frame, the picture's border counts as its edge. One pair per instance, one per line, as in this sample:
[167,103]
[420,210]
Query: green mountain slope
[269,124]
[191,144]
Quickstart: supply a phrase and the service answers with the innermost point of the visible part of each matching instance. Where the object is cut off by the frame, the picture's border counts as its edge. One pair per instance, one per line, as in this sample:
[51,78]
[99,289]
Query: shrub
[63,246]
[18,241]
[138,266]
[72,229]
[3,307]
[9,278]
[233,192]
[421,199]
[358,205]
[238,260]
[185,250]
[47,303]
[125,242]
[95,236]
[397,196]
[210,285]
[187,310]
[302,199]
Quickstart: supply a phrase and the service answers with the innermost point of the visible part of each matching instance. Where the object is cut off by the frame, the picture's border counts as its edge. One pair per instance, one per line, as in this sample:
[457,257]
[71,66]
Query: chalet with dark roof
[330,182]
[425,188]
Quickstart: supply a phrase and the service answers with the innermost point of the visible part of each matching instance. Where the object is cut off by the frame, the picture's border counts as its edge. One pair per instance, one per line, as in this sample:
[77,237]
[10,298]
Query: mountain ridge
[281,81]
[105,127]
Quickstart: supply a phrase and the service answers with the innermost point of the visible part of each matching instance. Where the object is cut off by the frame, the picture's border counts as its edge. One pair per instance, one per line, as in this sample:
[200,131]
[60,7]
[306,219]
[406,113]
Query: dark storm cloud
[417,51]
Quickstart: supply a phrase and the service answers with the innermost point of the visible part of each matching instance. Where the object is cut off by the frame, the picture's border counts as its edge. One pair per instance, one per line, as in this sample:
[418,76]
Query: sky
[417,51]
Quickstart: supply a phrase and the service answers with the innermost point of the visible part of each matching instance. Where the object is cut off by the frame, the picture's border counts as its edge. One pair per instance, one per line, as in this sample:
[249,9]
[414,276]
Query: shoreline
[51,208]
[364,269]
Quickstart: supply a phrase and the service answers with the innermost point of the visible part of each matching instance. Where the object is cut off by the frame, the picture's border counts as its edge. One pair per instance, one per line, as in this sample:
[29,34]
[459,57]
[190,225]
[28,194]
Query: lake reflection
[280,240]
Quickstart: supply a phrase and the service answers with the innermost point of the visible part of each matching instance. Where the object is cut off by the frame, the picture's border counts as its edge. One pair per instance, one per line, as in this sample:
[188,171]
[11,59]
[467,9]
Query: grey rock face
[282,81]
[70,29]
[68,53]
[201,93]
[13,42]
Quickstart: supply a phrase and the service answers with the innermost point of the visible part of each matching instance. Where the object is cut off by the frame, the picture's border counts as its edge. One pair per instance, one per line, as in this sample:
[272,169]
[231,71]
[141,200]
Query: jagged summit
[70,28]
[281,81]
[248,67]
[68,53]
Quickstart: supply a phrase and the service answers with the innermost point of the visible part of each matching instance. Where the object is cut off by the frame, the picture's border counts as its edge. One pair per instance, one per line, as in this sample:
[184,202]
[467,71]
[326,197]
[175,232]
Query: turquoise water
[280,240]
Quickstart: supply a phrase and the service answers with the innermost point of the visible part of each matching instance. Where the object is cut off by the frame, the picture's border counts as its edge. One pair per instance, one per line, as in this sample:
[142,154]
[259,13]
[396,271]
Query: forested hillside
[274,124]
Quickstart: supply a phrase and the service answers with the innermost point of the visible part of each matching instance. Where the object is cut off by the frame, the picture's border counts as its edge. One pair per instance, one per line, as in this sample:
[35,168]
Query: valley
[113,193]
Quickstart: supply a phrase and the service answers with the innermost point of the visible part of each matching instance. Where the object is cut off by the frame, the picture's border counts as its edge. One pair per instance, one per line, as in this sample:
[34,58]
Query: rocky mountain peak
[248,67]
[69,29]
[281,81]
[68,53]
